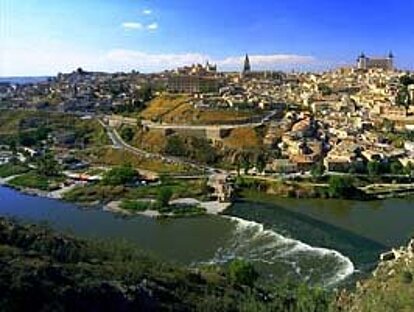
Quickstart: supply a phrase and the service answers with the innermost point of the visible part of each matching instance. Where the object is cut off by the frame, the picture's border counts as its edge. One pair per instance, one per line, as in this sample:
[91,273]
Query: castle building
[194,79]
[193,84]
[385,63]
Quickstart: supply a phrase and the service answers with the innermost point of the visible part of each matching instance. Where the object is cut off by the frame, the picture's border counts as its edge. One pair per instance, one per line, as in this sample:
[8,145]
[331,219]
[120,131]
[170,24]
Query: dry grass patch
[162,105]
[243,138]
[153,141]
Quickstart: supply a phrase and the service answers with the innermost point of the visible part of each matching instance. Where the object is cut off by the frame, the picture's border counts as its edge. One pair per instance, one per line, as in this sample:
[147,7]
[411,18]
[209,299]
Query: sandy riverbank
[211,207]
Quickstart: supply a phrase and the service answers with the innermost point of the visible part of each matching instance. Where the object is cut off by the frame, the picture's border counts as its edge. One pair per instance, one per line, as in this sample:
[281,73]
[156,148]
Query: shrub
[242,272]
[164,196]
[120,176]
[135,205]
[406,277]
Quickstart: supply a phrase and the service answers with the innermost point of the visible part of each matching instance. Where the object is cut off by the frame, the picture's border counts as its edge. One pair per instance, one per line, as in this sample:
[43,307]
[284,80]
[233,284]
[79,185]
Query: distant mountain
[23,80]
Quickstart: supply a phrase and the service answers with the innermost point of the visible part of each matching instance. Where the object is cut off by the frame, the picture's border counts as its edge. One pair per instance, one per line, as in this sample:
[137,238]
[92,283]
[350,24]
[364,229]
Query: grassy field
[9,170]
[180,189]
[94,193]
[34,181]
[113,157]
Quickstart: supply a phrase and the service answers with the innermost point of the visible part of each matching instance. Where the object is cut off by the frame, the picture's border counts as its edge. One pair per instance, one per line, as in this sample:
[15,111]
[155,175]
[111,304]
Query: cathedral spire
[246,67]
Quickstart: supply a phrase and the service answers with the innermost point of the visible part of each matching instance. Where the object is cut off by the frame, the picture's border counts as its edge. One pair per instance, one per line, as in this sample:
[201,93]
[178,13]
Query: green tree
[164,196]
[407,80]
[374,168]
[242,272]
[202,151]
[127,134]
[245,163]
[325,89]
[403,97]
[175,146]
[318,170]
[120,176]
[396,168]
[47,165]
[341,187]
[261,162]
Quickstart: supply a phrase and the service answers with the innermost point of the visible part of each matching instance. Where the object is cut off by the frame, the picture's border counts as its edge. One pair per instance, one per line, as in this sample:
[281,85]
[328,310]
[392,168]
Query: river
[319,242]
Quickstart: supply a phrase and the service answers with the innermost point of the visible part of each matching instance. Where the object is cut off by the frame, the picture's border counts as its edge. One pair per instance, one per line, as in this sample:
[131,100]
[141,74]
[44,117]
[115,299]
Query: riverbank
[388,288]
[363,188]
[210,207]
[197,240]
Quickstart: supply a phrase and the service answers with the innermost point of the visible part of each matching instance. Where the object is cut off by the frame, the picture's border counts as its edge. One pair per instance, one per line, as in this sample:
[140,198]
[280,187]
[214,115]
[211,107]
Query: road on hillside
[119,143]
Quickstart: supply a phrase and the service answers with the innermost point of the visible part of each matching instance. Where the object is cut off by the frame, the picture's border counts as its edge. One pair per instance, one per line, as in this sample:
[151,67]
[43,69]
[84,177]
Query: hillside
[41,270]
[390,288]
[30,127]
[177,109]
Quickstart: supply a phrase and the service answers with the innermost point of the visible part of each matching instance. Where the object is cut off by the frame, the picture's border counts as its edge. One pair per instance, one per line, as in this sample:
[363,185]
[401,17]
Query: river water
[319,242]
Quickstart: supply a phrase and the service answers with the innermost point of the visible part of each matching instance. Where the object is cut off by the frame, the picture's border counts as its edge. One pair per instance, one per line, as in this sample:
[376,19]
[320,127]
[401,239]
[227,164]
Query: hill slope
[45,271]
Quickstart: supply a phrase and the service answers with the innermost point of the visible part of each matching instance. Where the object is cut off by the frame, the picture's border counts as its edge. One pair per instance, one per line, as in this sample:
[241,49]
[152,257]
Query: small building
[5,157]
[282,166]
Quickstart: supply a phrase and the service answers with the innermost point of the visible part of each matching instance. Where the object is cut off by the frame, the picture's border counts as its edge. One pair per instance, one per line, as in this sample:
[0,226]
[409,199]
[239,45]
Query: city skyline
[46,37]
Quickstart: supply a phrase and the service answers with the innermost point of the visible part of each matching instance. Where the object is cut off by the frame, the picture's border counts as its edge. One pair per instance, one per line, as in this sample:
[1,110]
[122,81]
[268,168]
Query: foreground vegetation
[116,157]
[45,271]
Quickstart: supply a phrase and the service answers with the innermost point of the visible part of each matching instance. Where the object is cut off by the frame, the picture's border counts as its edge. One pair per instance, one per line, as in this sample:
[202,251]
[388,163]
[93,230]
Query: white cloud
[49,58]
[148,61]
[128,59]
[271,60]
[152,26]
[132,26]
[147,12]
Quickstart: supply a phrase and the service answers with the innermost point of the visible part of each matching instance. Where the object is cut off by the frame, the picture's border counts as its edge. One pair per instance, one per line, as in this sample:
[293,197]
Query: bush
[135,205]
[127,134]
[242,272]
[164,196]
[341,187]
[406,277]
[120,176]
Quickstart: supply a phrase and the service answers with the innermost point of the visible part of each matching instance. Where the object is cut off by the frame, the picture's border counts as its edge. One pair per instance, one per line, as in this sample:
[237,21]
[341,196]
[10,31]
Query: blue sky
[43,37]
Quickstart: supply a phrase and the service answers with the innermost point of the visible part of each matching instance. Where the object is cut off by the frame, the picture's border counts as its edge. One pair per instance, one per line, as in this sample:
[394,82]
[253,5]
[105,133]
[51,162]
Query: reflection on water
[389,222]
[278,238]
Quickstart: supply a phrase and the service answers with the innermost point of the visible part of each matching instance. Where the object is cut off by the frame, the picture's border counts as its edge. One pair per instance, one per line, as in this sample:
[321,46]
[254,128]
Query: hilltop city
[195,141]
[267,125]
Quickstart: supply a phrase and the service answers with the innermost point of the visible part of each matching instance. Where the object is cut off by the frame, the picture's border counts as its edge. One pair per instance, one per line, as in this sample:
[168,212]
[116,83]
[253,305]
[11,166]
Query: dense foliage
[44,271]
[121,175]
[195,148]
